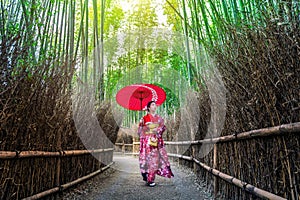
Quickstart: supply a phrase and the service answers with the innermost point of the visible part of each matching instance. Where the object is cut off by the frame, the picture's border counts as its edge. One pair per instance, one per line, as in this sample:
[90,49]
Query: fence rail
[128,149]
[264,132]
[30,154]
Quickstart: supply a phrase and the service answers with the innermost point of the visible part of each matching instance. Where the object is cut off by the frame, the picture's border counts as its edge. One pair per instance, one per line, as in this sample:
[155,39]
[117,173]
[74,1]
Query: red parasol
[136,96]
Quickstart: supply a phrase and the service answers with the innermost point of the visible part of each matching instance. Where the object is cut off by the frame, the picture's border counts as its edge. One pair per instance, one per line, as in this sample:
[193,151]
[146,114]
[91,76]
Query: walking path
[124,181]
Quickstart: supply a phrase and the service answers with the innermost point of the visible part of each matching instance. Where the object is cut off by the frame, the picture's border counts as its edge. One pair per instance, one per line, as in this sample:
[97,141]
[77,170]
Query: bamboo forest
[150,99]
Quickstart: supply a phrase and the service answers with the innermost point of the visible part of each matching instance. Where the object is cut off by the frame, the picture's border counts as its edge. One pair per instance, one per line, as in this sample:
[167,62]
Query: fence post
[195,150]
[215,166]
[123,147]
[177,149]
[133,146]
[58,164]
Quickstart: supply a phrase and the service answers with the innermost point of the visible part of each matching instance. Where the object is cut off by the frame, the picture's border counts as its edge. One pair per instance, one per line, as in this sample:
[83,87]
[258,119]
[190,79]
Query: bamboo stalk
[101,70]
[232,180]
[178,13]
[186,32]
[30,154]
[67,185]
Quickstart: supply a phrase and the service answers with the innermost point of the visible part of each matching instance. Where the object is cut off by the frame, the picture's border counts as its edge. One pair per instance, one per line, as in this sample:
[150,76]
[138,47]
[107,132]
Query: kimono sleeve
[161,128]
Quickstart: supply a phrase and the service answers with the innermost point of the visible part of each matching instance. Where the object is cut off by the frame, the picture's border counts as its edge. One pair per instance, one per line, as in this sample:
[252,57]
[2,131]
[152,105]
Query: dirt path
[123,181]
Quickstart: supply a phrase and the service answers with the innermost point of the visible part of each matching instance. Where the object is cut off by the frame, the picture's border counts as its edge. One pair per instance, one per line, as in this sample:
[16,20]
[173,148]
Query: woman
[153,157]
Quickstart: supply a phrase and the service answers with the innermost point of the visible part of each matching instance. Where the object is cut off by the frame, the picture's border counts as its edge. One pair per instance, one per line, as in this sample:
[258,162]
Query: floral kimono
[153,157]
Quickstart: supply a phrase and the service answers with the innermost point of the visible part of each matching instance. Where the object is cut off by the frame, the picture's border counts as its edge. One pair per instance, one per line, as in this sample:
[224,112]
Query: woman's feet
[151,184]
[144,176]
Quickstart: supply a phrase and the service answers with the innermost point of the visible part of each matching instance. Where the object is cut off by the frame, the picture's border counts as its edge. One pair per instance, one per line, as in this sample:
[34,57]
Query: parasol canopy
[136,96]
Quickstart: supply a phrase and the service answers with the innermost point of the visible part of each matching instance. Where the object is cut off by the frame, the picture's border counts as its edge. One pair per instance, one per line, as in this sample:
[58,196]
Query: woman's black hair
[149,104]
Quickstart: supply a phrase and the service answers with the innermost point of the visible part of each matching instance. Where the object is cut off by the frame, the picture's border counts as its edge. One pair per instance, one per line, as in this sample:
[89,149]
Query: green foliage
[113,20]
[176,62]
[143,15]
[111,80]
[172,103]
[172,9]
[71,31]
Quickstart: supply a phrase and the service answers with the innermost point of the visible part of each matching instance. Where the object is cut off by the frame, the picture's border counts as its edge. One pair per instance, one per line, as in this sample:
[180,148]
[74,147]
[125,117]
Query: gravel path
[123,181]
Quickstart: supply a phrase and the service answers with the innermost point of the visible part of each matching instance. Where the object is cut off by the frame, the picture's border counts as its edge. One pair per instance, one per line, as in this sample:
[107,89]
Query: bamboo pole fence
[264,132]
[11,155]
[128,149]
[30,154]
[259,133]
[67,185]
[232,180]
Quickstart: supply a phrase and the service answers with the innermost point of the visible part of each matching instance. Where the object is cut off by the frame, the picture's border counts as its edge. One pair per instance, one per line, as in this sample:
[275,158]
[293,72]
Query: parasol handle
[141,99]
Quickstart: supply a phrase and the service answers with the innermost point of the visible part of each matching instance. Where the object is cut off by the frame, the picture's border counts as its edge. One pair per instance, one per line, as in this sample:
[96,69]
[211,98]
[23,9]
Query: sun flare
[129,7]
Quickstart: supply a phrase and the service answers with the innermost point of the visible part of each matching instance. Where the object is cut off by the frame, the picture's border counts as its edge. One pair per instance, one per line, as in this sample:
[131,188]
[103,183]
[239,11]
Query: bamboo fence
[130,149]
[67,185]
[12,156]
[232,180]
[265,133]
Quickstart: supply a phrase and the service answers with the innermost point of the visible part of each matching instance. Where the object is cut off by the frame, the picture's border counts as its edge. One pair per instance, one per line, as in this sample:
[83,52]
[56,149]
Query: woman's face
[152,107]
